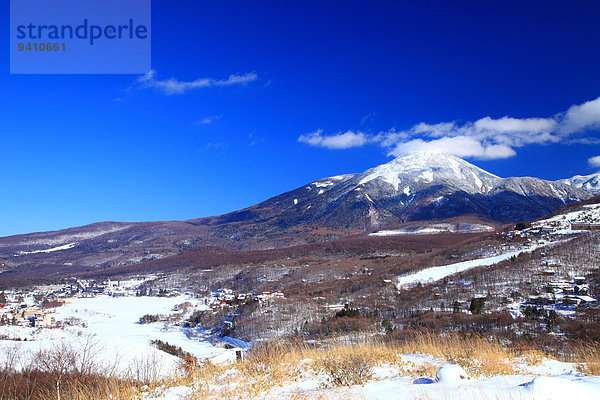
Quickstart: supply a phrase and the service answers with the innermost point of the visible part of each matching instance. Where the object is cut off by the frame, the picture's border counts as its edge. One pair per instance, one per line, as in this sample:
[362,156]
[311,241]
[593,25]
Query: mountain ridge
[412,187]
[590,183]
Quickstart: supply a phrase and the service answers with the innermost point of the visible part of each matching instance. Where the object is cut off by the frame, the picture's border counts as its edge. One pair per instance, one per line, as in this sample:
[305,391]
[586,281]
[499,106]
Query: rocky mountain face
[413,187]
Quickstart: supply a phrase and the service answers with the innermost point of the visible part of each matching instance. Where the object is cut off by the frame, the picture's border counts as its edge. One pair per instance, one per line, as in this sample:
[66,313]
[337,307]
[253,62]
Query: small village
[562,295]
[34,307]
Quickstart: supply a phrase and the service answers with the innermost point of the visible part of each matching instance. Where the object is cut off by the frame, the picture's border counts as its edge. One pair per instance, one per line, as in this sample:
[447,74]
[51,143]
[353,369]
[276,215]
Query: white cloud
[489,138]
[367,118]
[435,130]
[460,146]
[486,138]
[515,125]
[219,147]
[344,140]
[208,120]
[594,161]
[581,117]
[174,86]
[584,140]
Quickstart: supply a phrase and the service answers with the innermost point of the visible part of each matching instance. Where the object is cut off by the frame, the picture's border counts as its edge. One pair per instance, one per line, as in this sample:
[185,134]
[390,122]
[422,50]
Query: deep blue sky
[76,149]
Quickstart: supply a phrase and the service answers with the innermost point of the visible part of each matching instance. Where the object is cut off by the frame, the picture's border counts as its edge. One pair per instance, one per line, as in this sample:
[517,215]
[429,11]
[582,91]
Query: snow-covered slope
[561,223]
[438,273]
[590,183]
[422,169]
[414,186]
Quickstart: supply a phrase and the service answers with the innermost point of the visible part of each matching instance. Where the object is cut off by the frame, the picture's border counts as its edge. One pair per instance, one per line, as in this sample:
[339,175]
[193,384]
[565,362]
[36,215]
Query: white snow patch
[57,248]
[427,176]
[437,273]
[387,173]
[340,177]
[450,374]
[546,367]
[561,223]
[477,180]
[396,232]
[561,387]
[559,195]
[323,184]
[174,393]
[66,238]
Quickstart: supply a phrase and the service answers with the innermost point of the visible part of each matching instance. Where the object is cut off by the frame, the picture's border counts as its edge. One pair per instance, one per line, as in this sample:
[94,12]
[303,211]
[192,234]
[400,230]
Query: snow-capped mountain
[412,188]
[590,183]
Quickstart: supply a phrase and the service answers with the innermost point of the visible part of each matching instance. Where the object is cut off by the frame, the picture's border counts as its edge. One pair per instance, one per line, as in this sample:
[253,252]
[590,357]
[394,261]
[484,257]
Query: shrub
[348,312]
[148,319]
[171,349]
[477,305]
[346,370]
[387,325]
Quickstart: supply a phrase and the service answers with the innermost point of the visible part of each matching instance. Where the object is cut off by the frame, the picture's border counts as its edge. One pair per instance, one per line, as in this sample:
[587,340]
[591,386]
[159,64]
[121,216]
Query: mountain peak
[429,159]
[426,167]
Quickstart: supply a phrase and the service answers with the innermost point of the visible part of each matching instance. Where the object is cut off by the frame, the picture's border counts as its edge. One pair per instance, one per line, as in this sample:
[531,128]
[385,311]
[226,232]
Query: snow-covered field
[113,334]
[493,388]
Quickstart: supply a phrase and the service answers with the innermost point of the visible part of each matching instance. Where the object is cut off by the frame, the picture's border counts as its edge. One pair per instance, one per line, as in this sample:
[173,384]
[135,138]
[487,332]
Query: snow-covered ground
[549,380]
[493,388]
[111,328]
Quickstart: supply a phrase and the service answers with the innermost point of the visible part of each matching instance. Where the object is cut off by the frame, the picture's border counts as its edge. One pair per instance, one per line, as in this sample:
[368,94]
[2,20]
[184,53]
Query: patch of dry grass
[342,364]
[587,357]
[478,355]
[32,385]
